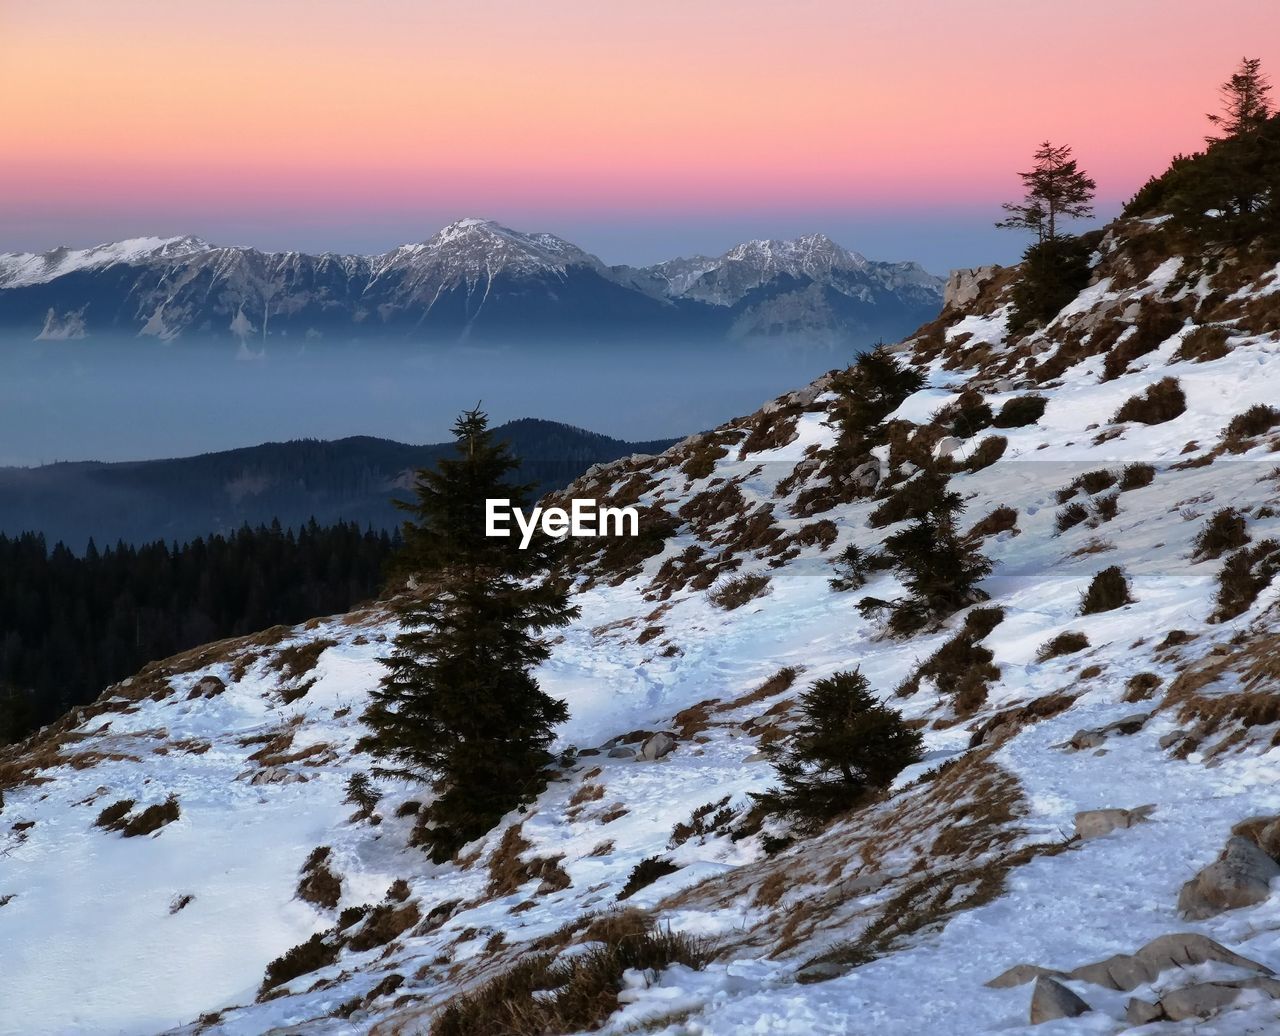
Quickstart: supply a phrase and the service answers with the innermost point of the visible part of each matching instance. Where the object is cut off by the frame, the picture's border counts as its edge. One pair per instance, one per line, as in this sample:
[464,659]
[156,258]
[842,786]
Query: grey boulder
[1241,876]
[1051,1000]
[1094,823]
[657,746]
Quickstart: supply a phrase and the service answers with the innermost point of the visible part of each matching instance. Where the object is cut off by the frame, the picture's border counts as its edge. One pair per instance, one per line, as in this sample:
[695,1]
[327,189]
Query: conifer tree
[459,705]
[846,746]
[1056,267]
[939,567]
[1057,188]
[1244,102]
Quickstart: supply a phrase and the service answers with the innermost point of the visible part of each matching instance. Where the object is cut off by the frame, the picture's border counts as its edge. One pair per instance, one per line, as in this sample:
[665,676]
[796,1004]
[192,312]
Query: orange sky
[354,121]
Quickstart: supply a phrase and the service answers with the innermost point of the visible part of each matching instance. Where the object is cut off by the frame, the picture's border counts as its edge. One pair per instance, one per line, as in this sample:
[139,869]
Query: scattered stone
[1180,950]
[1200,1000]
[1139,1012]
[866,476]
[273,775]
[947,446]
[1124,971]
[207,687]
[621,753]
[1241,876]
[1052,1000]
[1094,737]
[822,971]
[1020,975]
[1172,738]
[657,746]
[1094,823]
[1264,832]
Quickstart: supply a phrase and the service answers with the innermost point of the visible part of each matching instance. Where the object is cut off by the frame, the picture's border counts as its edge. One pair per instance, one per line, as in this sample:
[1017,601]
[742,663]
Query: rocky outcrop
[1052,1000]
[964,285]
[1126,971]
[656,747]
[1200,1000]
[1241,876]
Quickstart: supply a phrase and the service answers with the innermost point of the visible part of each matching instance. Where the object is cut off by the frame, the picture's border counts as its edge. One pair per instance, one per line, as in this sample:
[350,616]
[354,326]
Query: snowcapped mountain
[474,279]
[1090,841]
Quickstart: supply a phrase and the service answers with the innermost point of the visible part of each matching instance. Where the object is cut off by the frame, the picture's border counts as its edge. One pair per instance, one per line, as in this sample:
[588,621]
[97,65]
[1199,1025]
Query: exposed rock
[1241,876]
[207,687]
[621,753]
[947,446]
[1094,823]
[1051,1000]
[822,971]
[657,746]
[964,285]
[1264,832]
[1139,1012]
[1092,738]
[1178,950]
[1199,1000]
[274,775]
[866,476]
[1020,975]
[1128,971]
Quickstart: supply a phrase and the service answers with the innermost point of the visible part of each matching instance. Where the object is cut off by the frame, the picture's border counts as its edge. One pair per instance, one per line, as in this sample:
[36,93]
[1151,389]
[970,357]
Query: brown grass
[1161,402]
[1063,644]
[1242,429]
[319,885]
[1204,343]
[540,995]
[1002,519]
[645,873]
[736,591]
[1108,590]
[152,819]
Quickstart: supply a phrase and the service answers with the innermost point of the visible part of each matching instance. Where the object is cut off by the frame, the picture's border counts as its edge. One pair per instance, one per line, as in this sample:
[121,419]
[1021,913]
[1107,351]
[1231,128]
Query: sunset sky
[638,130]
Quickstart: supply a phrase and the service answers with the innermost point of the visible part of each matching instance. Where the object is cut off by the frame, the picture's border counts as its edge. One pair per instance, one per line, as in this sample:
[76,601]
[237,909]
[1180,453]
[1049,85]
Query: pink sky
[357,125]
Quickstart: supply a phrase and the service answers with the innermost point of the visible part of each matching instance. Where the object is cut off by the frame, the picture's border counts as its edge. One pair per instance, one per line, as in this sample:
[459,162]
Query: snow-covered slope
[22,269]
[894,920]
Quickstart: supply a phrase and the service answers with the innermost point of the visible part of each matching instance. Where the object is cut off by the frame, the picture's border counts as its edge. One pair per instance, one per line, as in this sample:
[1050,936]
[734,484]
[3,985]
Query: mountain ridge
[350,479]
[473,279]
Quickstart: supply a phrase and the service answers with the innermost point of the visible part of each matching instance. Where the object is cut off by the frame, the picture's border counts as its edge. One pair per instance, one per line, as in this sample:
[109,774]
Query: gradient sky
[638,130]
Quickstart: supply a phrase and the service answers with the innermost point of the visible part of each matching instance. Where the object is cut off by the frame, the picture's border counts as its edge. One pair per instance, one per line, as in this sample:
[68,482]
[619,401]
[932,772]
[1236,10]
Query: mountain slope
[350,479]
[983,857]
[474,280]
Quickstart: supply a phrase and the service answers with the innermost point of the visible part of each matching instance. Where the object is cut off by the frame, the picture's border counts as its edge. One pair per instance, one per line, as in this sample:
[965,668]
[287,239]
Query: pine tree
[459,706]
[1056,189]
[846,746]
[1055,268]
[1244,102]
[939,567]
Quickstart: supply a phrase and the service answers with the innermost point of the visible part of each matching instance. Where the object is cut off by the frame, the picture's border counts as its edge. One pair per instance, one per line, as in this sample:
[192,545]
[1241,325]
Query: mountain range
[475,280]
[353,479]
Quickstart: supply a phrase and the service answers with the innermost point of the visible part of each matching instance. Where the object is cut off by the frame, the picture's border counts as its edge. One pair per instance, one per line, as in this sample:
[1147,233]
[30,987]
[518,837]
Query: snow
[92,908]
[21,269]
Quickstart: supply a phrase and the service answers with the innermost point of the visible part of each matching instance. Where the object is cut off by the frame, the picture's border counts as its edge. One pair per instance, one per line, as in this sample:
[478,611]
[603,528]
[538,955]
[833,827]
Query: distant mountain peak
[20,269]
[473,278]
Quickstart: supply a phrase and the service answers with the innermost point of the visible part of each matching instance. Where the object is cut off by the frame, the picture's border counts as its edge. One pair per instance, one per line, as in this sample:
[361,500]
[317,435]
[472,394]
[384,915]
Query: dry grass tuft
[736,591]
[1063,644]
